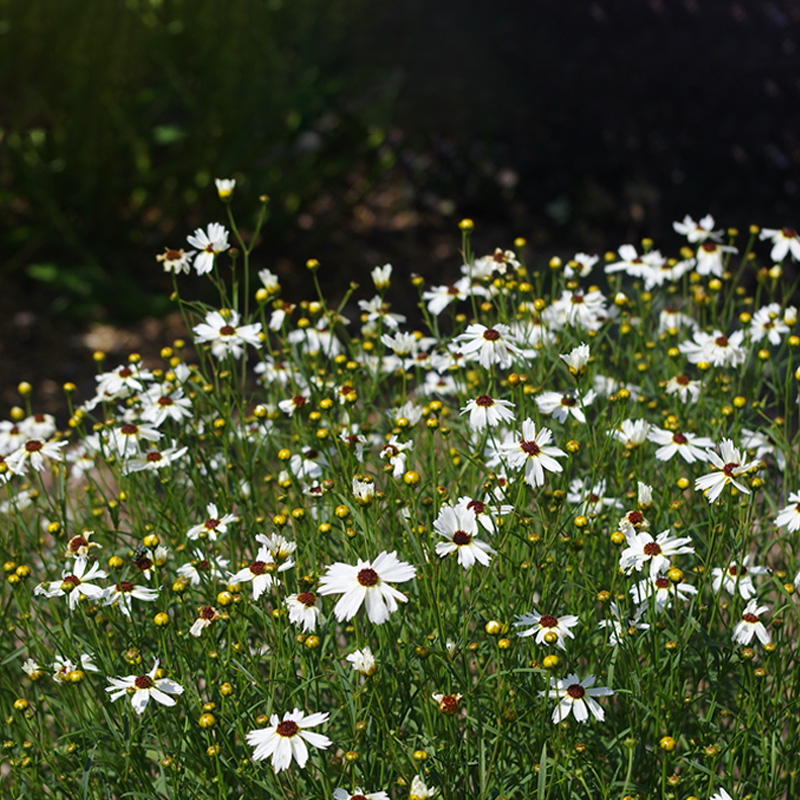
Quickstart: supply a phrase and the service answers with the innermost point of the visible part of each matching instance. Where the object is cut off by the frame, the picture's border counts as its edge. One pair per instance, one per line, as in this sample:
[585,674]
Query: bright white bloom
[668,270]
[486,412]
[631,433]
[728,467]
[688,391]
[125,380]
[122,593]
[226,335]
[33,453]
[750,625]
[210,243]
[643,549]
[561,406]
[710,257]
[459,526]
[672,321]
[127,441]
[697,231]
[33,670]
[644,495]
[585,310]
[590,497]
[367,583]
[489,346]
[784,241]
[142,687]
[376,311]
[213,526]
[439,297]
[304,610]
[484,512]
[789,516]
[75,583]
[715,348]
[363,490]
[225,187]
[286,739]
[576,697]
[688,446]
[419,790]
[176,261]
[358,794]
[280,550]
[577,359]
[201,568]
[206,615]
[163,402]
[260,572]
[547,628]
[662,590]
[269,280]
[766,322]
[154,460]
[580,265]
[737,577]
[632,263]
[63,666]
[394,451]
[532,452]
[363,661]
[382,276]
[38,426]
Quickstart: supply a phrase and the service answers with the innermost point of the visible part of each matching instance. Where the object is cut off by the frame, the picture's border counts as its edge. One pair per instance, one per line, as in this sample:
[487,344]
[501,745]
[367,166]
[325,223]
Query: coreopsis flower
[394,451]
[280,550]
[80,545]
[225,187]
[577,358]
[269,280]
[532,452]
[33,670]
[304,610]
[561,406]
[580,265]
[162,402]
[631,432]
[125,380]
[420,790]
[710,257]
[763,446]
[38,426]
[382,276]
[489,346]
[485,511]
[621,625]
[459,526]
[122,593]
[668,270]
[176,261]
[576,697]
[286,739]
[206,615]
[363,490]
[750,625]
[12,437]
[585,310]
[260,572]
[375,311]
[210,243]
[202,568]
[547,628]
[689,446]
[439,297]
[589,497]
[688,391]
[225,334]
[634,521]
[33,453]
[154,460]
[213,526]
[409,411]
[697,231]
[358,794]
[784,241]
[63,666]
[633,264]
[363,661]
[308,463]
[642,549]
[128,440]
[486,412]
[142,687]
[715,349]
[367,583]
[789,516]
[662,590]
[737,577]
[644,495]
[766,322]
[448,703]
[729,466]
[499,261]
[671,321]
[75,583]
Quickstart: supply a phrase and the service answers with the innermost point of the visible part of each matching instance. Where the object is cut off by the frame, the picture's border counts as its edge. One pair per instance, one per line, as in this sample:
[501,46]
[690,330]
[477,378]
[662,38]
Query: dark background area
[373,127]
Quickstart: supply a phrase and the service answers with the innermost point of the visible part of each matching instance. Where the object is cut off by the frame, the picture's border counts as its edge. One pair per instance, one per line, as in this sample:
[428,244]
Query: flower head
[210,243]
[576,697]
[750,625]
[729,467]
[459,526]
[287,739]
[142,687]
[547,628]
[533,452]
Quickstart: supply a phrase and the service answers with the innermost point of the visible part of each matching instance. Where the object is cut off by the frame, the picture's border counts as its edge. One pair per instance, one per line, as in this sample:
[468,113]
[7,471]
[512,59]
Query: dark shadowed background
[373,127]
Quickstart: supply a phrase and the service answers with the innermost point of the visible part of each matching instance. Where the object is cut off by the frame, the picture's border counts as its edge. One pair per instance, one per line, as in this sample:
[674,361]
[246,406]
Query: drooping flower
[662,590]
[486,412]
[142,687]
[576,697]
[784,241]
[789,516]
[363,661]
[287,739]
[75,583]
[750,625]
[367,583]
[304,610]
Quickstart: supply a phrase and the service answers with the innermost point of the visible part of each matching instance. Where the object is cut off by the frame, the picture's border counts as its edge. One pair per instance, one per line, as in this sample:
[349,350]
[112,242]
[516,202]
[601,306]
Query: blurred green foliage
[118,114]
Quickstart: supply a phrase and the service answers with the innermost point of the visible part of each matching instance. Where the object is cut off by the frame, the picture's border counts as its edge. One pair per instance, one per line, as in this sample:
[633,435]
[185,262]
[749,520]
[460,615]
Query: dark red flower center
[129,429]
[298,401]
[307,599]
[751,618]
[484,401]
[211,524]
[652,549]
[682,380]
[166,400]
[227,330]
[367,577]
[208,612]
[662,583]
[733,570]
[287,728]
[38,417]
[709,247]
[789,233]
[76,542]
[729,468]
[548,621]
[476,506]
[258,567]
[577,299]
[144,682]
[173,255]
[568,400]
[144,563]
[153,456]
[576,691]
[461,538]
[721,341]
[491,335]
[72,580]
[531,448]
[679,438]
[202,565]
[125,586]
[125,372]
[33,446]
[635,517]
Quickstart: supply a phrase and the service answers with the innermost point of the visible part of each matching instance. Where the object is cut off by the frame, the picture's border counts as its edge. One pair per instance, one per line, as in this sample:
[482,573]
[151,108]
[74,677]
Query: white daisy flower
[75,583]
[577,358]
[576,697]
[225,334]
[728,468]
[784,241]
[121,594]
[547,628]
[688,446]
[367,583]
[225,187]
[750,625]
[287,739]
[142,687]
[561,406]
[688,391]
[33,454]
[363,661]
[697,231]
[459,526]
[662,590]
[215,525]
[486,412]
[643,549]
[358,794]
[737,577]
[532,452]
[710,258]
[210,243]
[491,347]
[304,610]
[789,516]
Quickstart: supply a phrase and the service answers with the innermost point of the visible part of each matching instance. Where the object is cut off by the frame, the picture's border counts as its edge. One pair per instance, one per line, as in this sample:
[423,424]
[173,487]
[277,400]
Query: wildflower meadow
[539,542]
